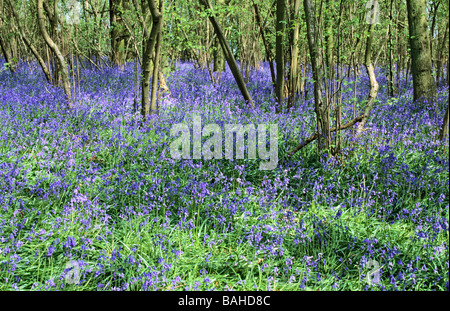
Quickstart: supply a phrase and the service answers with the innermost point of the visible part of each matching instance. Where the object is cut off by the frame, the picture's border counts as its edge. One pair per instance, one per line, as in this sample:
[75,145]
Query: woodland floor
[96,190]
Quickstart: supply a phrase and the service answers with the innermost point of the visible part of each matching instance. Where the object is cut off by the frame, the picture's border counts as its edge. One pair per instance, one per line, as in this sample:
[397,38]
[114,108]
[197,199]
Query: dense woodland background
[88,93]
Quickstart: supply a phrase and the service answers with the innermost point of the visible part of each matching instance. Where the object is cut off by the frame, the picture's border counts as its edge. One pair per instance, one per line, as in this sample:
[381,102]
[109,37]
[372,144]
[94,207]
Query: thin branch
[316,135]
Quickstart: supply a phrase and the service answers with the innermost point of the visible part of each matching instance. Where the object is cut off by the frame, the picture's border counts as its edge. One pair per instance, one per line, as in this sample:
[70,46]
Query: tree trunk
[53,19]
[29,45]
[147,56]
[293,69]
[444,130]
[55,49]
[3,46]
[7,57]
[329,38]
[156,61]
[391,91]
[340,77]
[219,62]
[433,24]
[373,80]
[266,45]
[228,54]
[279,52]
[420,49]
[323,124]
[118,33]
[439,60]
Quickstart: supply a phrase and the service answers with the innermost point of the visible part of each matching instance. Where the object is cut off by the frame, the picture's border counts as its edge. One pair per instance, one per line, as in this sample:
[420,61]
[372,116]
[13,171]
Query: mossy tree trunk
[154,40]
[420,49]
[118,33]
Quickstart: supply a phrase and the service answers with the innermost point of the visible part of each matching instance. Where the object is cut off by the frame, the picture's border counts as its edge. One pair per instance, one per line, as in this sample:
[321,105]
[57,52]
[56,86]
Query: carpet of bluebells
[95,190]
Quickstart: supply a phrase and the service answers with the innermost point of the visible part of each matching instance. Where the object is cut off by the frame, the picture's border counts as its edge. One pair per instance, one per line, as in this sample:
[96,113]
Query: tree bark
[55,49]
[420,49]
[391,91]
[156,62]
[433,24]
[53,19]
[29,45]
[228,53]
[147,56]
[118,33]
[279,52]
[372,78]
[323,124]
[439,60]
[266,45]
[219,62]
[444,130]
[293,68]
[3,46]
[7,56]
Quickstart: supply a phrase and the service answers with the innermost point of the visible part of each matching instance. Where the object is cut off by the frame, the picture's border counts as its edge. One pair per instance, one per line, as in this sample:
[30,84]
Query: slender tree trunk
[328,61]
[118,33]
[55,49]
[433,24]
[147,56]
[29,45]
[156,62]
[420,49]
[228,54]
[444,130]
[391,91]
[266,45]
[372,78]
[293,69]
[219,62]
[439,60]
[448,71]
[338,141]
[279,52]
[7,57]
[53,19]
[3,44]
[323,124]
[329,39]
